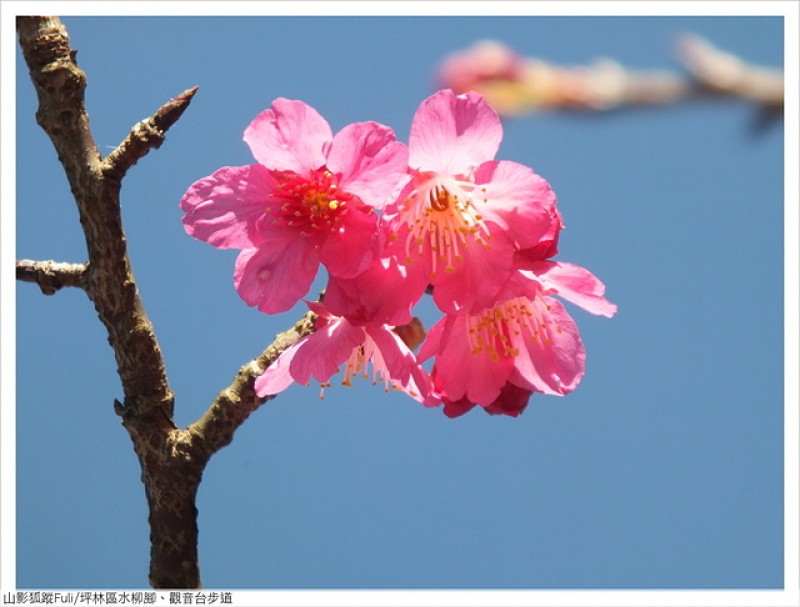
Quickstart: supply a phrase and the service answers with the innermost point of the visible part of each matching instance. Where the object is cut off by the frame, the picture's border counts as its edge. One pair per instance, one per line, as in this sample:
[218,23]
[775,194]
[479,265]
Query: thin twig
[726,74]
[146,135]
[51,276]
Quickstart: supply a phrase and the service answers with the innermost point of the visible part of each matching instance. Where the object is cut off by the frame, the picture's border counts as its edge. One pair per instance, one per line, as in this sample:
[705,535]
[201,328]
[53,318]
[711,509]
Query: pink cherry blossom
[525,343]
[460,219]
[337,341]
[311,198]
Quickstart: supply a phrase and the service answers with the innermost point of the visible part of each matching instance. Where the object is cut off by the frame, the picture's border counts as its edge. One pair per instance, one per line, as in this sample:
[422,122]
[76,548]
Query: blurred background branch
[517,85]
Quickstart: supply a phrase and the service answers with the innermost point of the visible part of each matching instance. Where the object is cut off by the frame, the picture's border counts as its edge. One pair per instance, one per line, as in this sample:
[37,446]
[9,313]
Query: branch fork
[172,459]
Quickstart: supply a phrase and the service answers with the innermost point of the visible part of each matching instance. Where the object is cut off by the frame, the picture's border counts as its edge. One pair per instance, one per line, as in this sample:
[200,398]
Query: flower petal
[548,243]
[277,376]
[325,350]
[371,163]
[474,283]
[575,284]
[553,360]
[349,250]
[458,408]
[436,336]
[512,401]
[275,276]
[291,136]
[462,373]
[453,134]
[223,209]
[401,364]
[519,200]
[382,294]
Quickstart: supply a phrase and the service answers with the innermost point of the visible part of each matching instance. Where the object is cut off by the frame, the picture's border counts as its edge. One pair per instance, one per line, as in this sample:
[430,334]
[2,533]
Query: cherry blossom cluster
[391,222]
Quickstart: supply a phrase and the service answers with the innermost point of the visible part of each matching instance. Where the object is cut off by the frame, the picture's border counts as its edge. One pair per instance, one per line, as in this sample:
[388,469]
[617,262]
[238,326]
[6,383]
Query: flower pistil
[441,214]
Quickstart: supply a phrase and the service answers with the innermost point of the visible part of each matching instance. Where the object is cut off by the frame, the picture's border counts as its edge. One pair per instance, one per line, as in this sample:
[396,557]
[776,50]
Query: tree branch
[109,281]
[726,74]
[172,459]
[516,85]
[51,276]
[170,479]
[146,135]
[233,405]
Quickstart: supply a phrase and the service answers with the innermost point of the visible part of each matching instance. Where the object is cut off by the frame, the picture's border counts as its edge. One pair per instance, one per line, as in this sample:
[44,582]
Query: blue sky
[664,469]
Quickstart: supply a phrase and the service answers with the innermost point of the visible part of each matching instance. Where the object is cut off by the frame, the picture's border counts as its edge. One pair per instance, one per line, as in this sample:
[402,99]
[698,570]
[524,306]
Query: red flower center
[311,204]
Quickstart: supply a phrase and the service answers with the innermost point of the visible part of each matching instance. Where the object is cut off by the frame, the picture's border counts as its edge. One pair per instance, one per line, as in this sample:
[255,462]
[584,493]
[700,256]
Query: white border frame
[790,10]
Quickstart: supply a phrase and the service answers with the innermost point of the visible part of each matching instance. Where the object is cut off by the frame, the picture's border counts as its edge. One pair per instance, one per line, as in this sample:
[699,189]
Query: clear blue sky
[663,470]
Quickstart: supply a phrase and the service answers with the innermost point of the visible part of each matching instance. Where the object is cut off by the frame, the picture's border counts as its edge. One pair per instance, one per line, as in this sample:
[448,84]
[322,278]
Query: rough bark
[51,276]
[172,459]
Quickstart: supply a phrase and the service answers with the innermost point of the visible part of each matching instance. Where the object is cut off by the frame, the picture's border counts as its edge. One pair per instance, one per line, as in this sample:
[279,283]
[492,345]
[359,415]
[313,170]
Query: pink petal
[382,294]
[453,134]
[462,373]
[348,251]
[277,376]
[275,276]
[223,209]
[435,338]
[548,243]
[554,361]
[475,282]
[519,200]
[325,350]
[512,401]
[458,408]
[575,284]
[402,365]
[291,136]
[371,164]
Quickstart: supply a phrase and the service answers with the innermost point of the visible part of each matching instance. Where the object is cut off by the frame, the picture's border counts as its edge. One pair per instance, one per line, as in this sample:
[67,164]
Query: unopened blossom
[373,352]
[526,343]
[310,198]
[459,221]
